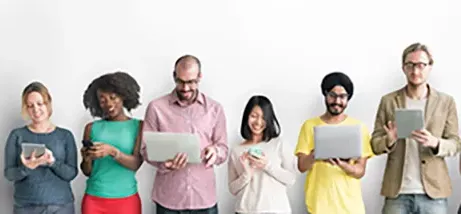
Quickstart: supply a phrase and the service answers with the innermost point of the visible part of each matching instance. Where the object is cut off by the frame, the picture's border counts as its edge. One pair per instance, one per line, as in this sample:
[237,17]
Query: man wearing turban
[333,186]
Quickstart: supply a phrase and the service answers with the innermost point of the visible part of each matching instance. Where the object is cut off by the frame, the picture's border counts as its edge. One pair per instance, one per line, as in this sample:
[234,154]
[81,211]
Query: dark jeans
[164,210]
[47,209]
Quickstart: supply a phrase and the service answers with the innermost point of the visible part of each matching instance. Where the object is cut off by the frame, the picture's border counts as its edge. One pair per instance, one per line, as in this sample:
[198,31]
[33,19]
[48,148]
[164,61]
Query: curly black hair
[119,83]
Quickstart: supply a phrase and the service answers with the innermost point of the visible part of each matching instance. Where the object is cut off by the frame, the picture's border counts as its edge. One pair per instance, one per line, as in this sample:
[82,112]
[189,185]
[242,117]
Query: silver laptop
[162,146]
[338,141]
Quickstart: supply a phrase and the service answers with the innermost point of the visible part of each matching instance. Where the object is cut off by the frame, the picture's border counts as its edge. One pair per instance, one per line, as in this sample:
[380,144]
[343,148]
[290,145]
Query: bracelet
[53,160]
[117,154]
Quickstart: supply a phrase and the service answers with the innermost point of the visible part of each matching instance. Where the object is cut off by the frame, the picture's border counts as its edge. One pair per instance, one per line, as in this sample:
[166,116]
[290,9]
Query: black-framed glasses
[185,82]
[334,95]
[413,65]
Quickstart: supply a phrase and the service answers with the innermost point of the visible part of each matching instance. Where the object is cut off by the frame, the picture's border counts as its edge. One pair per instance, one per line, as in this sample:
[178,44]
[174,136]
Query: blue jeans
[164,210]
[46,209]
[415,203]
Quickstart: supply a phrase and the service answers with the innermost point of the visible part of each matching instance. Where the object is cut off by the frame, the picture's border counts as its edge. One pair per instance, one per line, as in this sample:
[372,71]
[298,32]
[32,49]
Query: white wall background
[278,48]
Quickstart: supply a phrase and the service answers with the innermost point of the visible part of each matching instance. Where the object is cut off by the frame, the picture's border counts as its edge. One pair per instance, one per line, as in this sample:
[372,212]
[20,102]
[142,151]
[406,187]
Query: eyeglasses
[186,82]
[413,65]
[334,95]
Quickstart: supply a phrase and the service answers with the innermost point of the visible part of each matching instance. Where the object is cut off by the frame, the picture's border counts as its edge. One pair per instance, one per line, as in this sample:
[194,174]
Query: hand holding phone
[255,152]
[87,143]
[257,159]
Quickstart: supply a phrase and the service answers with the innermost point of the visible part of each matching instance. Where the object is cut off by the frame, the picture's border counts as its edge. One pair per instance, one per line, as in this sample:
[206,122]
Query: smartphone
[255,152]
[87,143]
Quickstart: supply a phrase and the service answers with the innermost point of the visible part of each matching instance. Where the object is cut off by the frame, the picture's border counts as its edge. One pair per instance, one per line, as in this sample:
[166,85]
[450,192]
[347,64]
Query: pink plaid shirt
[194,186]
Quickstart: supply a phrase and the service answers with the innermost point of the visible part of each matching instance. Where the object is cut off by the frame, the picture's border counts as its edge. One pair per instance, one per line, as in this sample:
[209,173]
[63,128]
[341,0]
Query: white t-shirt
[411,181]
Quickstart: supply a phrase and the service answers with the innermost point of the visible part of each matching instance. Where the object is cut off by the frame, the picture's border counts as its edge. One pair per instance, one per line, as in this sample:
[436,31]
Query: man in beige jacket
[416,177]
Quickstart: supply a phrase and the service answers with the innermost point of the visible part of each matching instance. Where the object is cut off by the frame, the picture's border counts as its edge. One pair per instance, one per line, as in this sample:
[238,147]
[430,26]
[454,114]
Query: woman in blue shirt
[41,184]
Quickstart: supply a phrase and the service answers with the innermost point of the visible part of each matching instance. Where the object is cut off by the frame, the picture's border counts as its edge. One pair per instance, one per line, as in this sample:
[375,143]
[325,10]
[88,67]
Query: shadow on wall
[453,169]
[13,122]
[79,183]
[12,119]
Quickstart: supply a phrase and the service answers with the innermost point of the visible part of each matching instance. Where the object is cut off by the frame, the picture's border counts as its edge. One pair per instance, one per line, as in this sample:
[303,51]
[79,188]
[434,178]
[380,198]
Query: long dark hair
[272,129]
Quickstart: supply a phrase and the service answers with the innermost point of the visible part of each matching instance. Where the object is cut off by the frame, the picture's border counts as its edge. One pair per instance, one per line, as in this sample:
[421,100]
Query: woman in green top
[111,149]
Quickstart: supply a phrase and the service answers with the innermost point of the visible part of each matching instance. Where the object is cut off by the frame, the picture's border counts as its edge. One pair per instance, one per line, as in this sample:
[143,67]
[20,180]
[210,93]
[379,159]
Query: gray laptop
[338,141]
[162,146]
[407,121]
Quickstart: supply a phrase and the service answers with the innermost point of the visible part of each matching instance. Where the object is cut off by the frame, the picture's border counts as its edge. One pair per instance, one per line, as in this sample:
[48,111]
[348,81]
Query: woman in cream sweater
[261,168]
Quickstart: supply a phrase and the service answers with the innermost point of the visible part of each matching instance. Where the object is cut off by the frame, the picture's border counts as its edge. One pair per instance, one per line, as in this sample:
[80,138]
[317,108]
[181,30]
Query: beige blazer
[441,120]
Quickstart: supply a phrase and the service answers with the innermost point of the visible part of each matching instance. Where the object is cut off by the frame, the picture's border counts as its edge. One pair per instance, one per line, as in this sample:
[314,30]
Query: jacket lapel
[431,104]
[400,98]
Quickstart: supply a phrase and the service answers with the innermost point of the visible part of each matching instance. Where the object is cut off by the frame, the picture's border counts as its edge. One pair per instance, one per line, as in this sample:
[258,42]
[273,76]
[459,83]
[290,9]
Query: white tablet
[162,146]
[407,121]
[28,148]
[337,141]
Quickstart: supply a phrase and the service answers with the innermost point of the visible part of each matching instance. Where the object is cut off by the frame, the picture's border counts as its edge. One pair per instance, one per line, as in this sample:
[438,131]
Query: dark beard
[332,112]
[181,98]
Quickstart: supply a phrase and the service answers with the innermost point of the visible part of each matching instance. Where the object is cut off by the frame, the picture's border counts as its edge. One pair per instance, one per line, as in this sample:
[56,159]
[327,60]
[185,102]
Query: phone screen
[87,143]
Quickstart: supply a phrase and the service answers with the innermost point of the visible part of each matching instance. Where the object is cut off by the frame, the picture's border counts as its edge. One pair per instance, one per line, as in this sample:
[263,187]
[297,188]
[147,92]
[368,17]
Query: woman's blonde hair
[42,90]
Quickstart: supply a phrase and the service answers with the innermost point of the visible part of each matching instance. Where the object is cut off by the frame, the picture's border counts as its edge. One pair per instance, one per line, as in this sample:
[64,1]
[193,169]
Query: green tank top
[108,178]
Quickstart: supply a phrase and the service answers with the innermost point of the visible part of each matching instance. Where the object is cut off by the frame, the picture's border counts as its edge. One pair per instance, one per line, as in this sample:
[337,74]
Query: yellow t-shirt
[328,188]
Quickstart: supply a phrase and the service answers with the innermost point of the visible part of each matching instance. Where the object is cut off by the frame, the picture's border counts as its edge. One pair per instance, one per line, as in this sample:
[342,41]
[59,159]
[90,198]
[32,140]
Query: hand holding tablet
[407,121]
[391,131]
[35,155]
[29,149]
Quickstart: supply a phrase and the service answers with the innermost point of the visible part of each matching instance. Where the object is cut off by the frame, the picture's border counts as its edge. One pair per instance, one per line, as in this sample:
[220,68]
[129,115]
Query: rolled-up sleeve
[219,136]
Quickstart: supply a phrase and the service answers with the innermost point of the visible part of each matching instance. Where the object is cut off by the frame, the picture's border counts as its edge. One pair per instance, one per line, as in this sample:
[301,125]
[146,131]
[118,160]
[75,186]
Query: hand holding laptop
[342,163]
[338,141]
[211,155]
[176,150]
[178,162]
